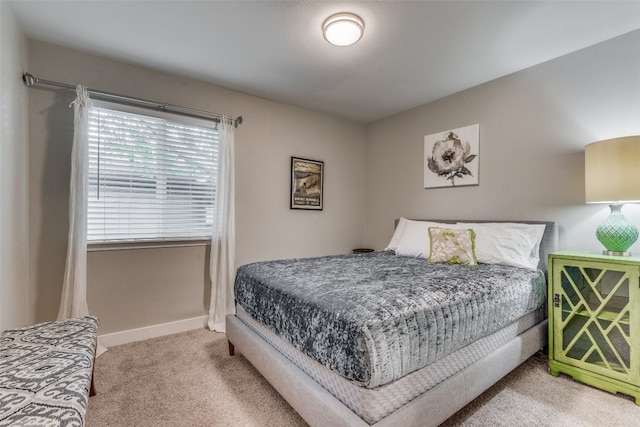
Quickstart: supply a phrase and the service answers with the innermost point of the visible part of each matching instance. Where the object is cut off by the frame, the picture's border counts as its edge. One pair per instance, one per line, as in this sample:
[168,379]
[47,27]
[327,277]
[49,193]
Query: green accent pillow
[449,246]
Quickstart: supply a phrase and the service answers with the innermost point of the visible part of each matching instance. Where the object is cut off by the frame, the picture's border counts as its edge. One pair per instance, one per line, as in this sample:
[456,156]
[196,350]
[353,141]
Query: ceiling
[412,52]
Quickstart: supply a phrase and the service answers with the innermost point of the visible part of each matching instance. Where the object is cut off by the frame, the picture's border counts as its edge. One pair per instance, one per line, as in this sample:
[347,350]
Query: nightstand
[362,250]
[594,320]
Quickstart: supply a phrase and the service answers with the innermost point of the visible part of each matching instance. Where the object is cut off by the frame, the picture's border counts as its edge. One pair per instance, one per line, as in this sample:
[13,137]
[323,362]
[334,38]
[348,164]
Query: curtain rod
[30,80]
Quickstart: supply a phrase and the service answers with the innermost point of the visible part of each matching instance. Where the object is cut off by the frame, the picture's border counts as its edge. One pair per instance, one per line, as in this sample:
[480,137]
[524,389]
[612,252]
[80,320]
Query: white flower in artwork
[449,157]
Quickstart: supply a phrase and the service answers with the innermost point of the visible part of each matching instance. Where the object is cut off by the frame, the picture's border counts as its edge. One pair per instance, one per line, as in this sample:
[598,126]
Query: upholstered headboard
[548,244]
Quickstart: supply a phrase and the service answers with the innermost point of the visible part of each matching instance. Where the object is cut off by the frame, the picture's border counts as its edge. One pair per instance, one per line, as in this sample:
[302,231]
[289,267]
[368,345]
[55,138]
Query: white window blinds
[150,178]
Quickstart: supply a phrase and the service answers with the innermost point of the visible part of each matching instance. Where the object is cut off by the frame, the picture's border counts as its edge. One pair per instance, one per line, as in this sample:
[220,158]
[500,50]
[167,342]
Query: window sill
[149,244]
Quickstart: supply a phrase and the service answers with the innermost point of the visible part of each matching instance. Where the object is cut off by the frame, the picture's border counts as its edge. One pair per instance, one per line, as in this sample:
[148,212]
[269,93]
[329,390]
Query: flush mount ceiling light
[343,29]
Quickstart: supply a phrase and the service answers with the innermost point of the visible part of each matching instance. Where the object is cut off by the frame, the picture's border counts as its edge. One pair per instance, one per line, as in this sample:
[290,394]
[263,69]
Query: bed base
[320,408]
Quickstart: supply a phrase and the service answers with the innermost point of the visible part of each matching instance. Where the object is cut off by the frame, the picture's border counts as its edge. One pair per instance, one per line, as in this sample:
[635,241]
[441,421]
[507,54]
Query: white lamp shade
[612,171]
[343,29]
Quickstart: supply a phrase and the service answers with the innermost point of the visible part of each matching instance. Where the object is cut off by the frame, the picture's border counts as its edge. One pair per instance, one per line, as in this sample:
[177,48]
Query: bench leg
[232,349]
[92,389]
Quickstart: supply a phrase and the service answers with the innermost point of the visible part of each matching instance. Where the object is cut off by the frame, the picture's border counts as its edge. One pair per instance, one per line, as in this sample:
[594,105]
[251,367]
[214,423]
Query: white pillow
[397,235]
[507,243]
[415,238]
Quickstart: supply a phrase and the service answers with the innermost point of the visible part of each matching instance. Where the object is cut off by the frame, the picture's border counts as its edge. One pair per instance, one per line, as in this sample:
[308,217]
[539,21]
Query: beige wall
[14,292]
[534,125]
[135,288]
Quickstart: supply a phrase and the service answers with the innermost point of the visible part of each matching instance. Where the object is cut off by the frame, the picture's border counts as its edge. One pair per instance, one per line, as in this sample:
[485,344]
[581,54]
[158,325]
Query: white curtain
[222,270]
[74,290]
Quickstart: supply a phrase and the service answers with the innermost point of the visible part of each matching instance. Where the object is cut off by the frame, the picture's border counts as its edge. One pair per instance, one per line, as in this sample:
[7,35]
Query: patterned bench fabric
[45,372]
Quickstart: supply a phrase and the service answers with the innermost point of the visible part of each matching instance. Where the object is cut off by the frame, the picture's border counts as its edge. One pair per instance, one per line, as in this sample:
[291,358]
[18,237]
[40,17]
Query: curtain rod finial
[238,121]
[29,80]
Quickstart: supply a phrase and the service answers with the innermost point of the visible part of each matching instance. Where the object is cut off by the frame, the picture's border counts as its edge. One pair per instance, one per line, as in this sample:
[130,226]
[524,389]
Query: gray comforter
[374,318]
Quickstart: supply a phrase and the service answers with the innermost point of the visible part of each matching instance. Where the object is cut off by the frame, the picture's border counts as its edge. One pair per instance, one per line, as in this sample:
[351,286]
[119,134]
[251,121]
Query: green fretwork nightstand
[594,320]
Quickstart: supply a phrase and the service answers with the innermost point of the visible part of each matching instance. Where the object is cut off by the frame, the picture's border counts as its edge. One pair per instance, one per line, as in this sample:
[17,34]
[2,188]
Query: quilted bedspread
[45,373]
[374,318]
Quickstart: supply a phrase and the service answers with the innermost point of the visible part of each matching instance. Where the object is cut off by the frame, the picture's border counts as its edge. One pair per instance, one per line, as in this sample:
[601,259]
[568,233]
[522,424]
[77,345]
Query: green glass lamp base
[617,234]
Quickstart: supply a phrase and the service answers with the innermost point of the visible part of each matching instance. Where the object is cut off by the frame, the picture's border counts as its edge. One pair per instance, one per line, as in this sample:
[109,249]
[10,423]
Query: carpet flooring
[189,379]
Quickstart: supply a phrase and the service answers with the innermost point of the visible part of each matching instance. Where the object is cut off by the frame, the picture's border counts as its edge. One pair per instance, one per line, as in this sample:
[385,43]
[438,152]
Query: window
[150,178]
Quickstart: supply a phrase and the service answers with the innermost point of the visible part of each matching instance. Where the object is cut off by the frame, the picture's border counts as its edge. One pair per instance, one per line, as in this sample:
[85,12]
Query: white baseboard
[140,334]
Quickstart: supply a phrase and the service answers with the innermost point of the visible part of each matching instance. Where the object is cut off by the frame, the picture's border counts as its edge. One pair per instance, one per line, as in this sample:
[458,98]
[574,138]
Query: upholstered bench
[46,372]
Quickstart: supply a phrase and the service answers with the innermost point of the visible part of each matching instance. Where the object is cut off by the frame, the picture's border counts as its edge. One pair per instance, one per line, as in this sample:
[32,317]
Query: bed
[391,338]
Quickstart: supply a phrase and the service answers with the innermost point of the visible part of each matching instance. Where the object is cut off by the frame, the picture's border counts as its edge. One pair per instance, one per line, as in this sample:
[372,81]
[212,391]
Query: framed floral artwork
[307,177]
[451,158]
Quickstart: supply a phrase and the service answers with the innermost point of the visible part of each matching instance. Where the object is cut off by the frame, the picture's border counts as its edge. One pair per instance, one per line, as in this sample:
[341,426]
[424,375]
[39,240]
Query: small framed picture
[306,183]
[451,158]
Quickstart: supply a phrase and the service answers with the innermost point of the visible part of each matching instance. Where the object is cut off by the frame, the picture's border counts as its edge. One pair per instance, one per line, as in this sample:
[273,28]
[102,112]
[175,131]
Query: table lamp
[612,175]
